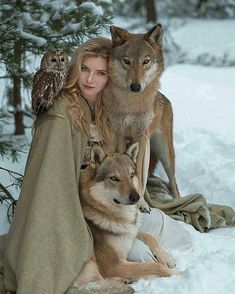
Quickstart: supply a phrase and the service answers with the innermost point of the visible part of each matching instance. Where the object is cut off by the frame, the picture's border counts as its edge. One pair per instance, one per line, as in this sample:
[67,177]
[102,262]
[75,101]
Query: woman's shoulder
[57,113]
[59,107]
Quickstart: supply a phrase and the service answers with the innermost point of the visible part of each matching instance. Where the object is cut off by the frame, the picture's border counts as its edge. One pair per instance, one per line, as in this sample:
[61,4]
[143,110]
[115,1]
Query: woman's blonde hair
[97,47]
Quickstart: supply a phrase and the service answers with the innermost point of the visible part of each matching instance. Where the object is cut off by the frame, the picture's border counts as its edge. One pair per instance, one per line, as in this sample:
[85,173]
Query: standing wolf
[132,100]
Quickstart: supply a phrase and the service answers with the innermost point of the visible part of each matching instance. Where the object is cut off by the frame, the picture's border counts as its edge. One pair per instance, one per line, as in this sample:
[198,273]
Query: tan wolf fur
[132,99]
[109,198]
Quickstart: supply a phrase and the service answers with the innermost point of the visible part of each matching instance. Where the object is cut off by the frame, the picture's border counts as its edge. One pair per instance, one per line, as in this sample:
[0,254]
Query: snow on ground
[204,119]
[207,268]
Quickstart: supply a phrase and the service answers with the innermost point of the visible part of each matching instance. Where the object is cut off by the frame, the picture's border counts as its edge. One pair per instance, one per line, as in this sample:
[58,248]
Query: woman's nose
[90,77]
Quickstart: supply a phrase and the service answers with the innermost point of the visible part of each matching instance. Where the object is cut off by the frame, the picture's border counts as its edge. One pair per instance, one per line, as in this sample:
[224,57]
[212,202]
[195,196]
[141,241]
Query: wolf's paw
[143,206]
[164,257]
[123,280]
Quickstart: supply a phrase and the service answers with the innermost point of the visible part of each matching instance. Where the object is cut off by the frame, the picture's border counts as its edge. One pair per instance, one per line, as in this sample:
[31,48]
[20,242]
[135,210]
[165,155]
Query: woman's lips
[88,87]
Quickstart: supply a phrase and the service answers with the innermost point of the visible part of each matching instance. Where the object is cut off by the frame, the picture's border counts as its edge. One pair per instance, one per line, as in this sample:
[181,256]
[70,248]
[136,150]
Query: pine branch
[8,150]
[10,200]
[11,172]
[7,193]
[6,196]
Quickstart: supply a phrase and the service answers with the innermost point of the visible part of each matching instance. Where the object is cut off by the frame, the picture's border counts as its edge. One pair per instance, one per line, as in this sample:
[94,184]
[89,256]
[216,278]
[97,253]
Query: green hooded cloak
[49,241]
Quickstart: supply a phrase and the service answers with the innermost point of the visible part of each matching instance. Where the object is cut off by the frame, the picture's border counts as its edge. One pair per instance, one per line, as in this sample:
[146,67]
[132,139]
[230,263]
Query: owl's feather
[48,82]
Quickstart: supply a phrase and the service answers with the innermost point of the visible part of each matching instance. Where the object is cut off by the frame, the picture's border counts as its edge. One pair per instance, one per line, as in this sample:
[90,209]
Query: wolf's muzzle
[135,87]
[134,197]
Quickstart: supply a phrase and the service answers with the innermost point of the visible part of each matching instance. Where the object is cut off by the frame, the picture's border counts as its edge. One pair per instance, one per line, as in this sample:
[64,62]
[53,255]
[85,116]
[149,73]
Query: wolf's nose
[134,197]
[135,87]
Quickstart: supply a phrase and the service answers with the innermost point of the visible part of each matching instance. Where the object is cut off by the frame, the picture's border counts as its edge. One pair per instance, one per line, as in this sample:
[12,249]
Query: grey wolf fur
[132,100]
[109,200]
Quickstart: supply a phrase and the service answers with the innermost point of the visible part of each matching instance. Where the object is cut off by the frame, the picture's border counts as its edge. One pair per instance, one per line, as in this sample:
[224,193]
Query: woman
[49,241]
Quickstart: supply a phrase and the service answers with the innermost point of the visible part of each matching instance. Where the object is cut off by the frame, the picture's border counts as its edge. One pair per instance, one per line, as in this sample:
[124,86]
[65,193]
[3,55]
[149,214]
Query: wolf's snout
[134,197]
[135,87]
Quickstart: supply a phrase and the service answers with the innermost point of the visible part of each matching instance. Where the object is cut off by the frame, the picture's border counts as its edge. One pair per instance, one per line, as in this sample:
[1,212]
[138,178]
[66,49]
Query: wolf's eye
[132,175]
[126,61]
[114,179]
[53,59]
[146,61]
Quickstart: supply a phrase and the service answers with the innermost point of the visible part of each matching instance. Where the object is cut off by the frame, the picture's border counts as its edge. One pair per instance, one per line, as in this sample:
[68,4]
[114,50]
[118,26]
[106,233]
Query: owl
[49,80]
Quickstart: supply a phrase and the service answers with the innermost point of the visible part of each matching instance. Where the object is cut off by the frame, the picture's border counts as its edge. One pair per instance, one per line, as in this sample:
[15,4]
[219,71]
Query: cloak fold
[49,240]
[192,209]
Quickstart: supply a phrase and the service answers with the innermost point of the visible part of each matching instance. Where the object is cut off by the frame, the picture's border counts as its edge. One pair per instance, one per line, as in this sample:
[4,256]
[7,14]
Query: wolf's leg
[153,161]
[158,252]
[136,270]
[142,164]
[162,148]
[89,273]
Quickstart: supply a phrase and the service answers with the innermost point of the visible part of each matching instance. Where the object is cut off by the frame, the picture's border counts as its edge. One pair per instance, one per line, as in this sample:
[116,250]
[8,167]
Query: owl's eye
[62,59]
[53,59]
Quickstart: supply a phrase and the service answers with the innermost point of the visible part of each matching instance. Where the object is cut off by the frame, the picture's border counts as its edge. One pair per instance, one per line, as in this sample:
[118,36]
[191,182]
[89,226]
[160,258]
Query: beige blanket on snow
[192,209]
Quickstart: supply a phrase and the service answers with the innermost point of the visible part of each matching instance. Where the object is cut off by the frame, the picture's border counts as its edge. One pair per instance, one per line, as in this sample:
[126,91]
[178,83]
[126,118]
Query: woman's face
[93,77]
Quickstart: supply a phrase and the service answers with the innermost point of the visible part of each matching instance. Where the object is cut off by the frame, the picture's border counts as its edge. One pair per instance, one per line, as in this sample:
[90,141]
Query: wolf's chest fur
[115,232]
[130,123]
[129,113]
[127,221]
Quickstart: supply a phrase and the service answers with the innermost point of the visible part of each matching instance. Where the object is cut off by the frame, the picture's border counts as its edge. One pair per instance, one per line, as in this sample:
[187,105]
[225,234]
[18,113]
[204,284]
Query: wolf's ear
[119,36]
[97,156]
[133,151]
[155,35]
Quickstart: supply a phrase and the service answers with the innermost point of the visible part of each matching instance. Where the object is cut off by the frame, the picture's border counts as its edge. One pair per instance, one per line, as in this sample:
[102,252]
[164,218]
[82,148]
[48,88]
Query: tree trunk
[137,5]
[79,2]
[151,11]
[17,101]
[200,4]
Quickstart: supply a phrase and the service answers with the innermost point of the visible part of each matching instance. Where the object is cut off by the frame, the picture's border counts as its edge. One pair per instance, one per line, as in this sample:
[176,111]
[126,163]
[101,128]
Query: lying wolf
[132,100]
[109,200]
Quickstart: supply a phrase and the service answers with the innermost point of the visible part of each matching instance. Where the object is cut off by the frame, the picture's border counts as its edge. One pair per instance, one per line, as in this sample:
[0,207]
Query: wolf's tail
[106,286]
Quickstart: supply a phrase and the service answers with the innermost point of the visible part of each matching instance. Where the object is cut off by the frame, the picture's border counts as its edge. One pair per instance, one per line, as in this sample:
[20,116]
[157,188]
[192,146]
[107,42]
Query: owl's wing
[60,80]
[46,88]
[38,89]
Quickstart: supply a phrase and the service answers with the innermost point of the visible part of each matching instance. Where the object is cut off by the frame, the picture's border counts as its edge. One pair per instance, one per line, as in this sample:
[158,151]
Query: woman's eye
[101,73]
[114,179]
[83,68]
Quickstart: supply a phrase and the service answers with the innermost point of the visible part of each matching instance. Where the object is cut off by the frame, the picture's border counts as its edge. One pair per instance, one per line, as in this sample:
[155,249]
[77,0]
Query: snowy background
[202,92]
